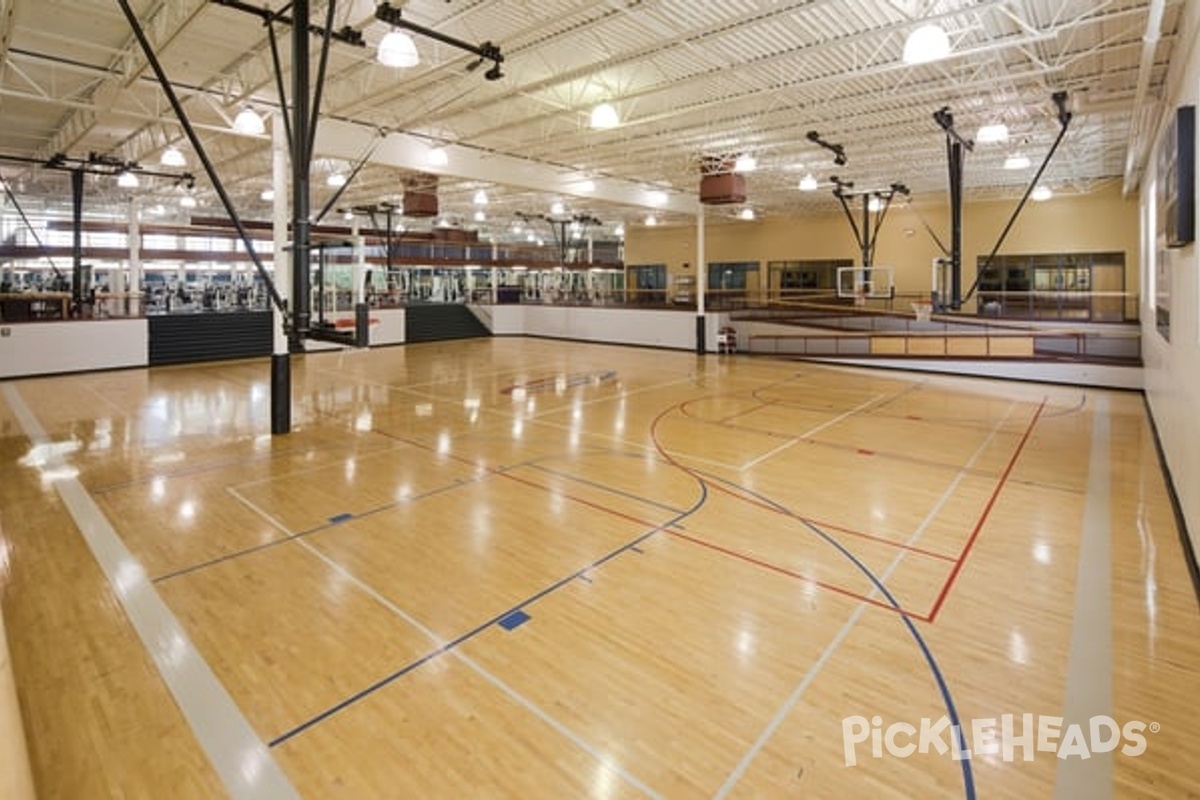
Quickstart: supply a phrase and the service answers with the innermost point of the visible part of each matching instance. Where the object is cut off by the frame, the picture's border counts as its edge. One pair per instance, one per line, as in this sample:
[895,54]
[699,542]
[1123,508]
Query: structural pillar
[134,284]
[701,281]
[281,365]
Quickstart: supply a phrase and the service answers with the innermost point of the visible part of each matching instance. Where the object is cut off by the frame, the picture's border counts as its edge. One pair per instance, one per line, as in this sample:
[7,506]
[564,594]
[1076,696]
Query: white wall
[650,328]
[43,348]
[1172,369]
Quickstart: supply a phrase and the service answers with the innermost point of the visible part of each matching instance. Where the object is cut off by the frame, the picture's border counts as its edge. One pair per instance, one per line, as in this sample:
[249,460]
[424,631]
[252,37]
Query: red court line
[793,574]
[894,456]
[666,529]
[987,510]
[832,526]
[783,512]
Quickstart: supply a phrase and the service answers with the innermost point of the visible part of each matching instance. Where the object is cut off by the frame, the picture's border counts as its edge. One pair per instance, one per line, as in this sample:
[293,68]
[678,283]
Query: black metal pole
[956,201]
[866,234]
[322,65]
[281,393]
[301,161]
[201,153]
[850,216]
[12,198]
[1017,212]
[76,241]
[279,87]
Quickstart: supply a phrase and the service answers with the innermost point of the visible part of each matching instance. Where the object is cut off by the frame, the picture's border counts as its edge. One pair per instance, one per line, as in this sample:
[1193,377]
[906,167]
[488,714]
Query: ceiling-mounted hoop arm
[839,152]
[362,162]
[487,51]
[928,228]
[346,35]
[957,146]
[33,231]
[279,87]
[202,154]
[1064,120]
[838,191]
[558,227]
[886,198]
[322,66]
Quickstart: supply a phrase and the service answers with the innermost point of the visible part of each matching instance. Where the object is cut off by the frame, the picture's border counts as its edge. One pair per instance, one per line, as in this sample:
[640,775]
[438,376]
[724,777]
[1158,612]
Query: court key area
[510,567]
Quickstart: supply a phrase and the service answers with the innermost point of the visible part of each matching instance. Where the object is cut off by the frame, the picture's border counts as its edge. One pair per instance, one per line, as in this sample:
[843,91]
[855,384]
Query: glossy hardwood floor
[519,568]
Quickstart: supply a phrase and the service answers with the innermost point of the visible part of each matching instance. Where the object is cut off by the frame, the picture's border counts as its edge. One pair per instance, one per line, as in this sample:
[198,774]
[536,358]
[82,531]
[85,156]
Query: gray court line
[241,759]
[790,703]
[1089,668]
[518,698]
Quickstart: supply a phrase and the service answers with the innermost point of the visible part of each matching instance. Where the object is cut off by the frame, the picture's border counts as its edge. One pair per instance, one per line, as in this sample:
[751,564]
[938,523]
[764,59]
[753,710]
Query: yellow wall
[1099,222]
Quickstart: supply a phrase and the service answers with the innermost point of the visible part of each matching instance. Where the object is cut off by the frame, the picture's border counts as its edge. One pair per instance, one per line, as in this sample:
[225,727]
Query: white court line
[827,424]
[241,759]
[578,740]
[605,761]
[790,703]
[1089,667]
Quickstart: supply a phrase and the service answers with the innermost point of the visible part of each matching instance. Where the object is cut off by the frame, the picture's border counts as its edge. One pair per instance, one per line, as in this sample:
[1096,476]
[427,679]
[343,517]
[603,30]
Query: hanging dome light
[747,214]
[249,123]
[1041,193]
[1017,161]
[481,198]
[172,157]
[745,163]
[127,180]
[397,49]
[990,134]
[438,157]
[605,116]
[808,183]
[925,44]
[187,201]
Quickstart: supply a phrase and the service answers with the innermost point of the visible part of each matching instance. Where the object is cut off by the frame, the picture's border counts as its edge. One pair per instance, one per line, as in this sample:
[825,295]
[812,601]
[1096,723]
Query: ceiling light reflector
[991,134]
[249,123]
[397,49]
[925,44]
[605,116]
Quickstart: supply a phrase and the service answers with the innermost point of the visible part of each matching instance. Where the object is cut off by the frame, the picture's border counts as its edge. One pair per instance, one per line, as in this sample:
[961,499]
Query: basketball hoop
[923,310]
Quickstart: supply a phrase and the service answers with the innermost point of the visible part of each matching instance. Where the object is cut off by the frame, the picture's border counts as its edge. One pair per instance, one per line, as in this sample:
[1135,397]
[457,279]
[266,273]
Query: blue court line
[324,526]
[602,487]
[199,469]
[473,632]
[939,678]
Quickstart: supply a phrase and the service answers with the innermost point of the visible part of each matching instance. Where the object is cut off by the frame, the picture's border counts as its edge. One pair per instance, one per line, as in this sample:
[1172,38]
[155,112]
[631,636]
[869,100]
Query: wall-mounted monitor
[1177,179]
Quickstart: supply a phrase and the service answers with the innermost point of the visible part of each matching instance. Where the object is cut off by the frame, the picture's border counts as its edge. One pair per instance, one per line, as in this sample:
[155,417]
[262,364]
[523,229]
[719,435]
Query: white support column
[134,282]
[359,271]
[282,256]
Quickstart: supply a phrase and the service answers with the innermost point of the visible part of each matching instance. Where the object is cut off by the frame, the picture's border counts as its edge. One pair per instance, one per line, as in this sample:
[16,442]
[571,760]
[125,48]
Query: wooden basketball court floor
[519,568]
